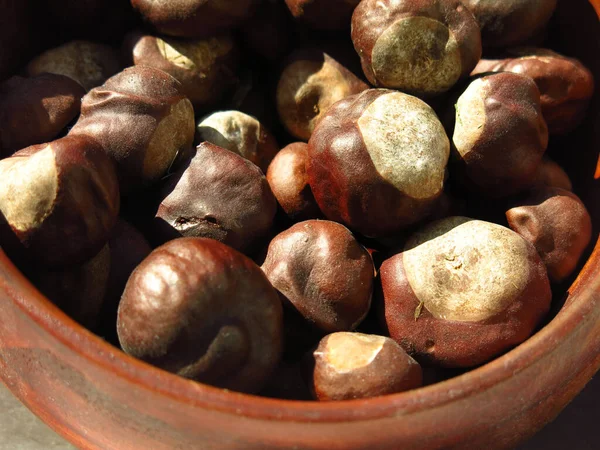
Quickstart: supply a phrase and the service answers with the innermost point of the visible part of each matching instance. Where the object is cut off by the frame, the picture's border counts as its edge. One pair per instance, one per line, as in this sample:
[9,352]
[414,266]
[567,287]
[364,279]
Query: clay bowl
[99,398]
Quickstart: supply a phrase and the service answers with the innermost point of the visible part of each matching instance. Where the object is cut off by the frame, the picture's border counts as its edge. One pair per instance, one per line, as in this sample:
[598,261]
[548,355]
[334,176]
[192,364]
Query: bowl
[97,397]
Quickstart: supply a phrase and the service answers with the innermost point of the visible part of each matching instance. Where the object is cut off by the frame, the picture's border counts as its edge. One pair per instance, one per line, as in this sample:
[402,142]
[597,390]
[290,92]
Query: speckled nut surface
[88,63]
[510,22]
[422,47]
[202,310]
[194,18]
[239,133]
[204,67]
[58,201]
[322,273]
[309,84]
[551,174]
[557,223]
[499,133]
[35,110]
[323,14]
[463,291]
[143,121]
[216,194]
[289,182]
[356,365]
[566,85]
[377,161]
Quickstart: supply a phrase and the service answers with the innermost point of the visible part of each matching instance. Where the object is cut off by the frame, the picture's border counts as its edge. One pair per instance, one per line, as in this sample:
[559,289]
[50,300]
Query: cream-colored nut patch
[407,144]
[233,130]
[470,117]
[174,133]
[417,54]
[466,270]
[28,189]
[351,351]
[194,55]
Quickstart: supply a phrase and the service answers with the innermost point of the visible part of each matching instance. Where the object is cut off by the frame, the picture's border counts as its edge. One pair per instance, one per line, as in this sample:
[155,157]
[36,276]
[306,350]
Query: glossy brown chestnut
[356,365]
[377,161]
[566,86]
[557,223]
[194,18]
[200,309]
[216,194]
[143,121]
[463,291]
[323,14]
[422,47]
[204,67]
[310,83]
[239,133]
[510,22]
[289,182]
[499,134]
[35,110]
[88,63]
[58,201]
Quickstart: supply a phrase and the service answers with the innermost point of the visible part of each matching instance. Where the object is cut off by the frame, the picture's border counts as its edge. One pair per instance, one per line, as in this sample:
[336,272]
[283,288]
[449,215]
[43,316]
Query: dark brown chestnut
[200,309]
[323,14]
[551,174]
[422,47]
[377,161]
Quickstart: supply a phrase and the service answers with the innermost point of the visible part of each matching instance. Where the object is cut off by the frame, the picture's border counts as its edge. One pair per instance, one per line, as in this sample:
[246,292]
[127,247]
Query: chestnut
[377,161]
[204,67]
[566,85]
[510,22]
[323,14]
[216,194]
[88,63]
[356,365]
[58,202]
[289,182]
[551,174]
[194,18]
[463,291]
[422,48]
[499,133]
[200,309]
[309,84]
[557,223]
[143,121]
[239,133]
[35,110]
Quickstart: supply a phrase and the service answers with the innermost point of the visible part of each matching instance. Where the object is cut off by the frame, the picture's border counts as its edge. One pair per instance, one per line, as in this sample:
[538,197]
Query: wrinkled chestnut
[463,291]
[323,14]
[499,134]
[58,201]
[289,182]
[420,47]
[309,84]
[510,22]
[200,309]
[142,120]
[216,194]
[557,223]
[205,68]
[377,161]
[566,86]
[88,63]
[552,175]
[356,365]
[194,18]
[35,110]
[239,133]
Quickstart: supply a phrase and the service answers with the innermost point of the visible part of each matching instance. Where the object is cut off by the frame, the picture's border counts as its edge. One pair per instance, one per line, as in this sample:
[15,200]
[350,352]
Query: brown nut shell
[550,174]
[377,161]
[219,195]
[200,309]
[557,223]
[356,365]
[323,14]
[142,120]
[422,47]
[463,291]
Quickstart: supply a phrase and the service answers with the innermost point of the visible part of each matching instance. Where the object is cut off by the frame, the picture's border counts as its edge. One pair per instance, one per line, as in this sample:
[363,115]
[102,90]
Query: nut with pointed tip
[200,309]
